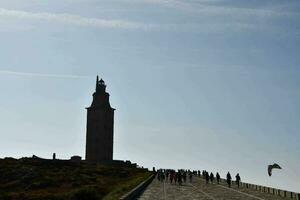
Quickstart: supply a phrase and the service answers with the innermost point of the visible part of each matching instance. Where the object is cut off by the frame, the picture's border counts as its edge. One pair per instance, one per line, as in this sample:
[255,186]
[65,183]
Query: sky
[197,84]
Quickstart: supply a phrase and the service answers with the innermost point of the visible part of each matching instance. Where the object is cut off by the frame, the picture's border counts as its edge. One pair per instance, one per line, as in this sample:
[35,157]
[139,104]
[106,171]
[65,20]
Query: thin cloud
[18,73]
[216,8]
[74,19]
[189,26]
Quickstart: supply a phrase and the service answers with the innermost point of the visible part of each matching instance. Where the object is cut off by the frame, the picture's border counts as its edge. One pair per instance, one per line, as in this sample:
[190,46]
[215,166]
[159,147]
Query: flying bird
[274,166]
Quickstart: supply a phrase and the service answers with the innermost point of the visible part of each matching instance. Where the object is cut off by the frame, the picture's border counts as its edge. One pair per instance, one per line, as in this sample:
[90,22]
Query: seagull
[274,166]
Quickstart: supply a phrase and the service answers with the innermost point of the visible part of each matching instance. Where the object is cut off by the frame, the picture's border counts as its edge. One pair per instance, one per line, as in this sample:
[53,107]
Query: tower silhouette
[100,124]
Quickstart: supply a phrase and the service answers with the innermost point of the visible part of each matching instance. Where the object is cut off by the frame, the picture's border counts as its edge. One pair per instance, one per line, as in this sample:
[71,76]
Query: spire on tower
[97,81]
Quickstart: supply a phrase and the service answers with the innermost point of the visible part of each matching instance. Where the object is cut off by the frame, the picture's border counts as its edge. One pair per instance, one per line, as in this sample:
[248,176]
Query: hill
[29,178]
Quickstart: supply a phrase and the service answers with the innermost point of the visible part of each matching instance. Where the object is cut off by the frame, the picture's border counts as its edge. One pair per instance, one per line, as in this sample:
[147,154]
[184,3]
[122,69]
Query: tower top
[100,85]
[100,96]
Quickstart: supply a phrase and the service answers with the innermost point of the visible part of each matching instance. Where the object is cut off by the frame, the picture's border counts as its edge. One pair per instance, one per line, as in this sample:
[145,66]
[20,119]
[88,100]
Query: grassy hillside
[53,180]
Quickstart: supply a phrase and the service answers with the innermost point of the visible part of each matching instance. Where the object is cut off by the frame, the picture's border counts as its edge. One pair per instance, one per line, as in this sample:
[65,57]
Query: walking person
[238,179]
[171,177]
[228,177]
[184,176]
[167,175]
[179,177]
[162,176]
[207,177]
[190,176]
[159,175]
[218,177]
[211,177]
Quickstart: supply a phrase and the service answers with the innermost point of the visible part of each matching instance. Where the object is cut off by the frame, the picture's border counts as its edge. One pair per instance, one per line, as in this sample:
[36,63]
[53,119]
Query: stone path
[198,189]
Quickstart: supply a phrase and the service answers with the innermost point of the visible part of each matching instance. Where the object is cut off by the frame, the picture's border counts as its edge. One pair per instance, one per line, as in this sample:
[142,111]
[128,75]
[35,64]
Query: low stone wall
[138,190]
[274,191]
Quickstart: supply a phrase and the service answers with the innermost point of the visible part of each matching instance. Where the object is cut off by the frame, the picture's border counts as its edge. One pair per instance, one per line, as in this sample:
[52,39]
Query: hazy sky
[199,84]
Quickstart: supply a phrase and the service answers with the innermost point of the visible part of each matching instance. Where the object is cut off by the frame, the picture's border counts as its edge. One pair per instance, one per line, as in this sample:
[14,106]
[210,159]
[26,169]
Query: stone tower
[100,126]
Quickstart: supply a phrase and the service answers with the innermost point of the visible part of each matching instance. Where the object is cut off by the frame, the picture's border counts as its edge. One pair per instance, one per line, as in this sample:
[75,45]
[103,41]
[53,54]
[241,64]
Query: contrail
[74,19]
[17,73]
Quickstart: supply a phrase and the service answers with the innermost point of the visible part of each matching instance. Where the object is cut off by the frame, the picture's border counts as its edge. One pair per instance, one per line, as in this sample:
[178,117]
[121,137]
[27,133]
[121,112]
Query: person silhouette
[172,176]
[218,178]
[179,177]
[228,177]
[184,176]
[238,179]
[190,176]
[206,177]
[211,177]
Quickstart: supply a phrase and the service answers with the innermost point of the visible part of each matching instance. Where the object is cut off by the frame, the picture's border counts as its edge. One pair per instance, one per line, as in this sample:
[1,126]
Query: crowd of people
[180,176]
[174,177]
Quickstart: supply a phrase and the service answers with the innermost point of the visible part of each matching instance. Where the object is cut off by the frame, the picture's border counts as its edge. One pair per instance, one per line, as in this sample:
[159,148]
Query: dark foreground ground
[54,180]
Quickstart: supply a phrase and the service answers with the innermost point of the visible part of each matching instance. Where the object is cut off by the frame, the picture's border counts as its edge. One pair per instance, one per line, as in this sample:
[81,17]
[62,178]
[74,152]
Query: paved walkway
[198,189]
